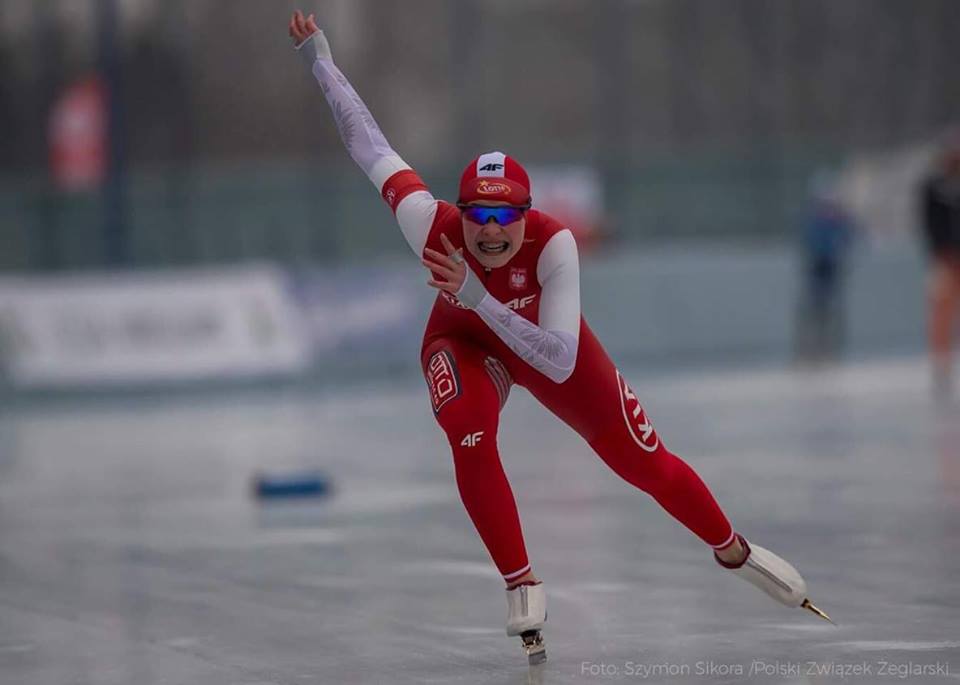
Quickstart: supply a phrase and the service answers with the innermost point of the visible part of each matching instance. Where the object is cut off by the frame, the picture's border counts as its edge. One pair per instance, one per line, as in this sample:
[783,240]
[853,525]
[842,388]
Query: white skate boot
[775,576]
[526,614]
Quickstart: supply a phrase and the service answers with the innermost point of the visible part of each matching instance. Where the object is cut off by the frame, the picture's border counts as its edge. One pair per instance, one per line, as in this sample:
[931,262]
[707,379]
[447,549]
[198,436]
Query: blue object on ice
[304,484]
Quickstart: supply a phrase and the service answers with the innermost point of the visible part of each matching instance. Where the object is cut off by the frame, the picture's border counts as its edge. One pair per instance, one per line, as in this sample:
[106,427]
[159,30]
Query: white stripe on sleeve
[415,214]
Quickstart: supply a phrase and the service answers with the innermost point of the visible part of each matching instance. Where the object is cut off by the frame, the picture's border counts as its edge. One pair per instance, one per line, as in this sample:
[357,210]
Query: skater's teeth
[493,247]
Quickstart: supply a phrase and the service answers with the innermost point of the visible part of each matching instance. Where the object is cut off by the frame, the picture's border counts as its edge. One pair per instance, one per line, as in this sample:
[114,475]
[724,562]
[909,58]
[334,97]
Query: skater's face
[492,244]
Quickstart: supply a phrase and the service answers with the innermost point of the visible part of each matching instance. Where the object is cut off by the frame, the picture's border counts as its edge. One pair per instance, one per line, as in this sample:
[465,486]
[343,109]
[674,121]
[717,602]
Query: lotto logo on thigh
[443,379]
[639,426]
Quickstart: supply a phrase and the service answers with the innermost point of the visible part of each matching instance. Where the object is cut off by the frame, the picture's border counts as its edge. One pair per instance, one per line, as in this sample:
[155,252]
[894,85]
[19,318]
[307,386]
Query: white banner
[148,327]
[882,190]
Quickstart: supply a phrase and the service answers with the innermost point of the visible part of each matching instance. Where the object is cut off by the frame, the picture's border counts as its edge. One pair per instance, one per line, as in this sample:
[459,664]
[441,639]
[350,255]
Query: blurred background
[200,293]
[692,146]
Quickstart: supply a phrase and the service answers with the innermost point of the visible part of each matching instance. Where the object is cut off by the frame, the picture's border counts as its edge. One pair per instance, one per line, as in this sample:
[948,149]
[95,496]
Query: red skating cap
[494,176]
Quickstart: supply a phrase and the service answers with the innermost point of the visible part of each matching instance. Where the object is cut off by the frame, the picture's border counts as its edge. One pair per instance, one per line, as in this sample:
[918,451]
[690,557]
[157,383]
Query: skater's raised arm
[414,205]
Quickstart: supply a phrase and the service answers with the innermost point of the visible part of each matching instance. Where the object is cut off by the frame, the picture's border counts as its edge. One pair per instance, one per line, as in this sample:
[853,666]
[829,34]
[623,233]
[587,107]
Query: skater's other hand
[302,28]
[450,267]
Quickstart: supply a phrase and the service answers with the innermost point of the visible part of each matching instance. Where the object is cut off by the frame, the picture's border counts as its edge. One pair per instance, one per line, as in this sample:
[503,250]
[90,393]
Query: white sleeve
[558,271]
[550,348]
[415,214]
[366,143]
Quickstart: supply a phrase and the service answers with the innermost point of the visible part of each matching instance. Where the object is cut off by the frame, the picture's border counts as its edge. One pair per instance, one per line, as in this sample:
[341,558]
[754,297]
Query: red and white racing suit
[518,324]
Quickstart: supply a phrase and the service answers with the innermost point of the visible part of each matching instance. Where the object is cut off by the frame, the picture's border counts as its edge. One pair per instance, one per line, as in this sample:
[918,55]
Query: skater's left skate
[775,576]
[526,614]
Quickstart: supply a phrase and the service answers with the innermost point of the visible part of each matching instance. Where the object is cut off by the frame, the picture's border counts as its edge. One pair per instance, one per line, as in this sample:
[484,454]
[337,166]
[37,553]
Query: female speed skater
[508,312]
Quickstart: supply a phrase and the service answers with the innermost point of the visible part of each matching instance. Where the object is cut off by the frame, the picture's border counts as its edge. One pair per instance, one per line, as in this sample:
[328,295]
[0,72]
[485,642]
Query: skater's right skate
[526,614]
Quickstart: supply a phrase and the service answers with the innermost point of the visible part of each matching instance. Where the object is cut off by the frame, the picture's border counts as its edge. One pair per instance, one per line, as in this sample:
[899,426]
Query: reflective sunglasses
[503,215]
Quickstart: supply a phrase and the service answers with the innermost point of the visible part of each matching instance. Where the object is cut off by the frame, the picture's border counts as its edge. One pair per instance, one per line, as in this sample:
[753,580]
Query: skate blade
[534,647]
[537,655]
[809,606]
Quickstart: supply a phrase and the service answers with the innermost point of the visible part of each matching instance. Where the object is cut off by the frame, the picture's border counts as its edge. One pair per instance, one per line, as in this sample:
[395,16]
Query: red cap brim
[495,189]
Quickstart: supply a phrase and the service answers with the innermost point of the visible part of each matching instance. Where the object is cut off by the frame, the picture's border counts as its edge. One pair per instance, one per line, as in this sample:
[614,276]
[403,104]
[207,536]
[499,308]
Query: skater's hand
[300,28]
[450,267]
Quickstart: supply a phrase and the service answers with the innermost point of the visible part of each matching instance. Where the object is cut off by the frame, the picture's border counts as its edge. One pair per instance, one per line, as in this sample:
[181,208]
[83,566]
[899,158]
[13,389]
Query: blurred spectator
[941,225]
[827,234]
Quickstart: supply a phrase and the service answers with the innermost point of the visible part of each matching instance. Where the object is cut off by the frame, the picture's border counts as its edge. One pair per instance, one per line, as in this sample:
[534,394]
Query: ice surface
[132,554]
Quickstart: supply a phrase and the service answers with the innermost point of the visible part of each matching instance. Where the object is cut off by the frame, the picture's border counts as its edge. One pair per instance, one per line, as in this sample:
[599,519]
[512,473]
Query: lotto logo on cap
[494,176]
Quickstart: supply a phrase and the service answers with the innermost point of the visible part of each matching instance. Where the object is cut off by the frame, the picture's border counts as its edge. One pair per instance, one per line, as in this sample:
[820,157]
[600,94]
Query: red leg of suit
[598,403]
[467,397]
[595,401]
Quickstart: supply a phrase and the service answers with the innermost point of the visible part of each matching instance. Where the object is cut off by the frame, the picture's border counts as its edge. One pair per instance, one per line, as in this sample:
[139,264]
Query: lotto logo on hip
[443,379]
[641,430]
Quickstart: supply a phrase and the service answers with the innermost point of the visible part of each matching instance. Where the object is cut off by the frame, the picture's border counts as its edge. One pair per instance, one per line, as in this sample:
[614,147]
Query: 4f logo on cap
[641,430]
[518,278]
[491,164]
